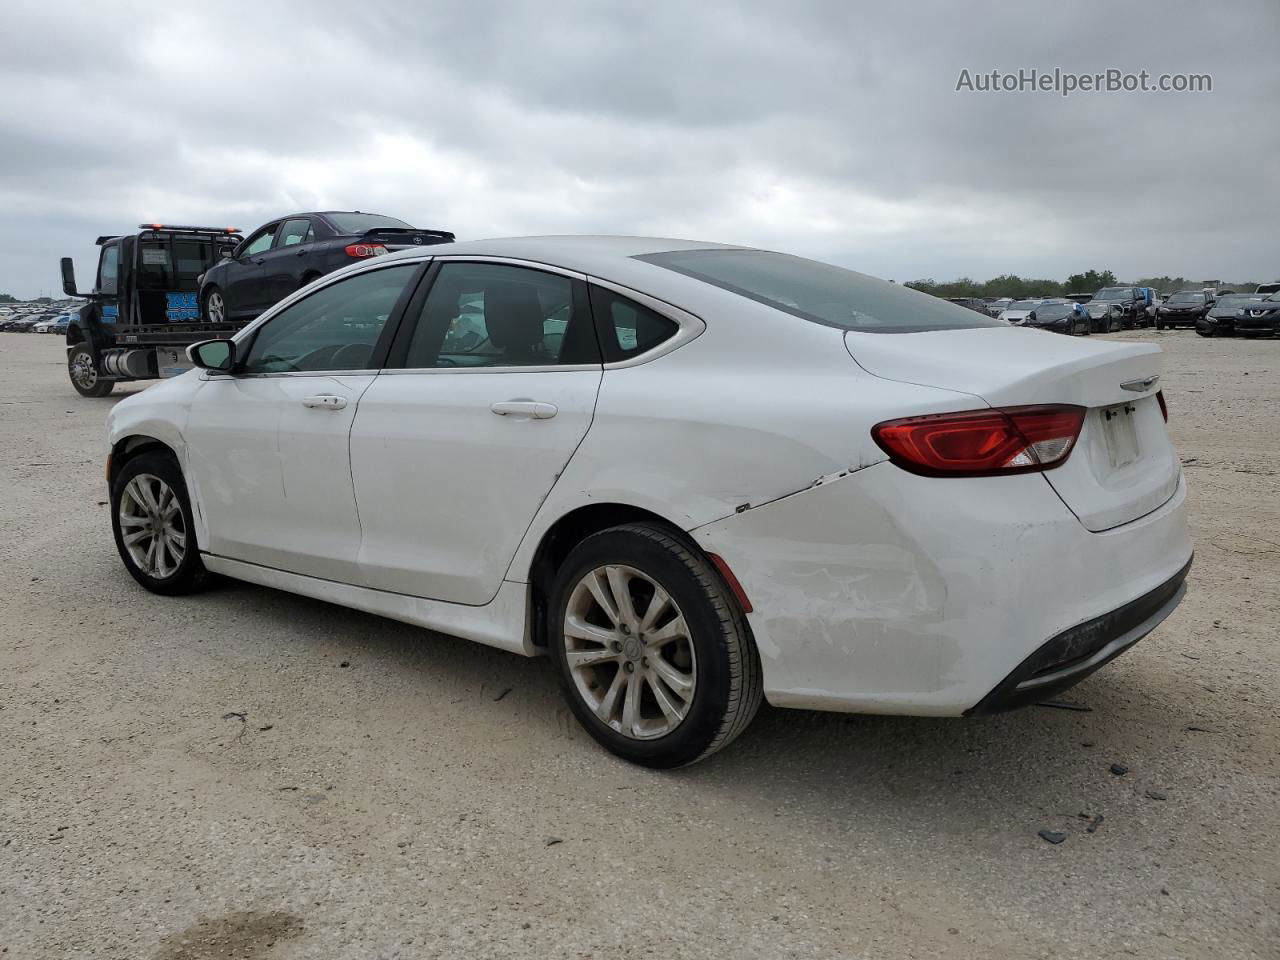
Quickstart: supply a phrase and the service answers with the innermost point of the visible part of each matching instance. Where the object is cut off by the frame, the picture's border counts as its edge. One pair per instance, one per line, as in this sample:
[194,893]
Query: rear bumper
[884,592]
[1065,660]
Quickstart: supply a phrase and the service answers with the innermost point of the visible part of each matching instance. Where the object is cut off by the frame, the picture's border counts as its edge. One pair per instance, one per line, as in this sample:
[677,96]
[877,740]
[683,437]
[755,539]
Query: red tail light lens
[1164,407]
[982,442]
[360,250]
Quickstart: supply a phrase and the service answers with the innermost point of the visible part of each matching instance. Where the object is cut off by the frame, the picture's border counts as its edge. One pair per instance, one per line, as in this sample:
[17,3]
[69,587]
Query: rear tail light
[1164,407]
[982,442]
[361,250]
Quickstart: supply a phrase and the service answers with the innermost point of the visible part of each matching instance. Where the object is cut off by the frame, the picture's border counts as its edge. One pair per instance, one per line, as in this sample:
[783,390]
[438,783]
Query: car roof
[604,256]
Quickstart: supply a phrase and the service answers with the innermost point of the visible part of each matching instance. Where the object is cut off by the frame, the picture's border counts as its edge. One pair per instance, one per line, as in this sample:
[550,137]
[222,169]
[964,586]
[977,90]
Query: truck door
[108,283]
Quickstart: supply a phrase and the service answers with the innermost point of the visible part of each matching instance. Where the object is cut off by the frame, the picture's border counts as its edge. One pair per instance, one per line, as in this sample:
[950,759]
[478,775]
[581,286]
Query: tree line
[1012,285]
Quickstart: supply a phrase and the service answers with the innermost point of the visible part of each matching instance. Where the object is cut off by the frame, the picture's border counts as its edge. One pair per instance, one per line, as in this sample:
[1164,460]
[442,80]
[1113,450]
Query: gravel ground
[246,773]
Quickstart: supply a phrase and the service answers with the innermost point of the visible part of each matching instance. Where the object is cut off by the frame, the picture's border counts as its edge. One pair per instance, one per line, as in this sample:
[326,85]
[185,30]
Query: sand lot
[246,773]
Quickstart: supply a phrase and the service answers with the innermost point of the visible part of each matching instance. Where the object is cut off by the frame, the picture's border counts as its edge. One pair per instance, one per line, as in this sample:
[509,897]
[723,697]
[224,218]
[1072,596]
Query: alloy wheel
[152,527]
[628,649]
[217,308]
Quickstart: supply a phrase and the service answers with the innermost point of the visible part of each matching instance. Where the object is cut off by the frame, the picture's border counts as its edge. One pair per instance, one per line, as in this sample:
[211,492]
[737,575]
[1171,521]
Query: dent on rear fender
[822,575]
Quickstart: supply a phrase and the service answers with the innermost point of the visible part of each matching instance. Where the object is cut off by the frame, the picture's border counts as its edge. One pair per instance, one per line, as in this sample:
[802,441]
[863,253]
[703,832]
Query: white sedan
[694,475]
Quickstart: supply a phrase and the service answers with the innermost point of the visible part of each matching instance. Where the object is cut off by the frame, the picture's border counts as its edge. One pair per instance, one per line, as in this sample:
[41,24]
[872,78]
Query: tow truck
[143,311]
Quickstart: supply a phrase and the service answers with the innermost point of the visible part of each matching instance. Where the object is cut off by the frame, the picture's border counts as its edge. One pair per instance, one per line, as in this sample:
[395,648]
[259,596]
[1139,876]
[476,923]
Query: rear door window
[294,232]
[495,315]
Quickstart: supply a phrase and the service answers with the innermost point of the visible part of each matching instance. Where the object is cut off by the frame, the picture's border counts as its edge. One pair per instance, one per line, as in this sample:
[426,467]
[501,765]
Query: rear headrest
[513,315]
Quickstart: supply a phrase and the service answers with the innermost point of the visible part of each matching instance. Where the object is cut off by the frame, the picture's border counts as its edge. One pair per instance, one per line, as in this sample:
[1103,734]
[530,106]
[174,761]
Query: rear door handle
[525,409]
[324,401]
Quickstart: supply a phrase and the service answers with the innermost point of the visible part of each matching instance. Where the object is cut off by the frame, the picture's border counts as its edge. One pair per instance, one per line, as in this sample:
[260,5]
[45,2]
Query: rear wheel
[215,306]
[652,652]
[153,526]
[82,368]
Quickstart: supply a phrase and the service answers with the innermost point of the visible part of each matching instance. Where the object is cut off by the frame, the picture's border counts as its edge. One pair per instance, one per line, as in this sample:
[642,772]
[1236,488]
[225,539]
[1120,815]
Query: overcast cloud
[817,128]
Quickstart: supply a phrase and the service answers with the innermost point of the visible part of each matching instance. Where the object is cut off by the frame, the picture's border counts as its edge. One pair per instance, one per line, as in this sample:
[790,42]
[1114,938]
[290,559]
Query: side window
[626,328]
[260,242]
[336,328]
[109,269]
[294,232]
[493,315]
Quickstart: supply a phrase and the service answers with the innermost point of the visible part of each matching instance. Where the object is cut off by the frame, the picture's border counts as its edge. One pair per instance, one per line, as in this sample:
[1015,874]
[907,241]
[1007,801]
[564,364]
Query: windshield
[363,222]
[1187,298]
[820,292]
[1233,301]
[1022,305]
[1114,293]
[1052,311]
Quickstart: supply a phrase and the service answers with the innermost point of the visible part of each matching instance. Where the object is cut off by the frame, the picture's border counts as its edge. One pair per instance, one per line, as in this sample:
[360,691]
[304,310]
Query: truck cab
[143,311]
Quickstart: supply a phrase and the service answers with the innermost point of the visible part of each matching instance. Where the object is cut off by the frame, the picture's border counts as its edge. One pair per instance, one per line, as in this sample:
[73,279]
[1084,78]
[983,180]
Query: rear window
[172,264]
[362,222]
[820,292]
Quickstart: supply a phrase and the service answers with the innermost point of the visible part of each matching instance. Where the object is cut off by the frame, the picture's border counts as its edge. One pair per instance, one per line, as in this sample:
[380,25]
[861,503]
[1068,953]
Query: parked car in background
[57,324]
[287,254]
[1116,307]
[969,303]
[1184,308]
[1268,288]
[1059,316]
[998,306]
[668,600]
[1261,318]
[1220,319]
[1016,312]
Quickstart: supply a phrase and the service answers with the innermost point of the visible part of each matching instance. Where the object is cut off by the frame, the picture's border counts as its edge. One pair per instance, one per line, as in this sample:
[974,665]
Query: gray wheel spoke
[600,593]
[668,706]
[619,587]
[631,705]
[658,605]
[675,630]
[591,658]
[579,629]
[608,705]
[136,536]
[680,683]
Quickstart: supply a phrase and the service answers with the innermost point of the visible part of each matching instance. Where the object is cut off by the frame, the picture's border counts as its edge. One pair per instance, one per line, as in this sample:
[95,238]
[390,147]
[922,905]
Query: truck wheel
[215,306]
[83,370]
[652,652]
[153,526]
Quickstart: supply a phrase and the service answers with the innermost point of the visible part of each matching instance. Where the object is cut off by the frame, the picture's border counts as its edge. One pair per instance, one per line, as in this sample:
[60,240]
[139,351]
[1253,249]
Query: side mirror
[69,278]
[218,356]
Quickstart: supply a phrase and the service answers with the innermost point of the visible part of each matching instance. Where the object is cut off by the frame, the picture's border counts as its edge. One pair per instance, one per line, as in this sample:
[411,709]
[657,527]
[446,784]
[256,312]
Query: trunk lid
[1123,465]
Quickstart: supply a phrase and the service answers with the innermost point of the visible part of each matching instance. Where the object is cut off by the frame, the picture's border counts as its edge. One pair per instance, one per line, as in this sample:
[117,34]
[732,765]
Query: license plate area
[1120,428]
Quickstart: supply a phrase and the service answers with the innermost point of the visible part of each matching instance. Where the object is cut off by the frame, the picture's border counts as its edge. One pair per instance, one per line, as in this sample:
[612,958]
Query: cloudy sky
[813,127]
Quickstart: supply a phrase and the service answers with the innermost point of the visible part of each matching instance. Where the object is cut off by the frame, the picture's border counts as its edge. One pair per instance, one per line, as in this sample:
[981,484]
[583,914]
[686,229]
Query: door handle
[324,401]
[525,409]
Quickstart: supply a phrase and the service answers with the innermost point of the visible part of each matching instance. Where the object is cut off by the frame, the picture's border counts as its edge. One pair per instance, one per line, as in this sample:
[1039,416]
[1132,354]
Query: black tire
[82,368]
[727,688]
[1205,333]
[205,312]
[189,574]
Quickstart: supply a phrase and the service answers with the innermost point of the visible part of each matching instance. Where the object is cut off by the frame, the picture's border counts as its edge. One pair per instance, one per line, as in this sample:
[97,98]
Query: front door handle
[525,409]
[324,401]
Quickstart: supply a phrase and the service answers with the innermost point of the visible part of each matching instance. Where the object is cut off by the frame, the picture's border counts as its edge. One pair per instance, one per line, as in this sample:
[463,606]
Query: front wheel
[82,368]
[652,651]
[152,522]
